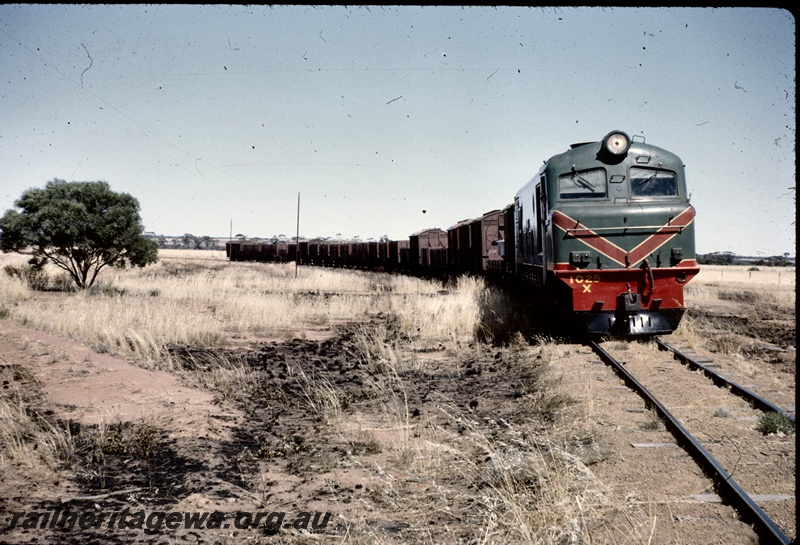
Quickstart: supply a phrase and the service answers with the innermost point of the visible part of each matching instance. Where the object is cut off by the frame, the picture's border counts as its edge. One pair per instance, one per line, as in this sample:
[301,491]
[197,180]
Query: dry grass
[323,398]
[226,373]
[210,302]
[774,286]
[28,435]
[12,290]
[31,439]
[689,331]
[743,275]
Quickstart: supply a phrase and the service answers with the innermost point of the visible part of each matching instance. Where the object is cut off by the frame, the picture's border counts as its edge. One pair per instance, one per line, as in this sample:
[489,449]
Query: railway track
[727,487]
[723,381]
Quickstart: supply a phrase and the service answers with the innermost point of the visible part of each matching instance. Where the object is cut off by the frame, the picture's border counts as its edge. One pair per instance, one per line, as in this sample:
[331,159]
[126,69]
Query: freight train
[601,239]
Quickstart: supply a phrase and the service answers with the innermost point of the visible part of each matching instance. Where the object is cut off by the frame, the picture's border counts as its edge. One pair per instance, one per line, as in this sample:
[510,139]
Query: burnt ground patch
[126,465]
[762,333]
[289,433]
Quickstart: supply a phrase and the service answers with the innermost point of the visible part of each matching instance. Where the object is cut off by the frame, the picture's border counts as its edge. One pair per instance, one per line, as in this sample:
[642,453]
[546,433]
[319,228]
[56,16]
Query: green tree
[81,227]
[208,243]
[189,241]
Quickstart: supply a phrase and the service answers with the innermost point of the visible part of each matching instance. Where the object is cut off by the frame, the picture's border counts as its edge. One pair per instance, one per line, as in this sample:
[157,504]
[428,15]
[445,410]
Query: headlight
[616,143]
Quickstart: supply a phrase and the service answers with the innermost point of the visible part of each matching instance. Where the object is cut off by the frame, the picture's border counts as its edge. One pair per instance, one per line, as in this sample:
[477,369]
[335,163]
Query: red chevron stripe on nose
[599,243]
[589,237]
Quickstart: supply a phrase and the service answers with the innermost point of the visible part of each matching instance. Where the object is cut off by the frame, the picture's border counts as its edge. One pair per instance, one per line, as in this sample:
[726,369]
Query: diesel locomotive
[606,232]
[600,239]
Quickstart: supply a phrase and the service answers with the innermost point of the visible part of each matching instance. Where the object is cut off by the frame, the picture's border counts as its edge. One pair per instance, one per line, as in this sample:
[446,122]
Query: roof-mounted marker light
[617,143]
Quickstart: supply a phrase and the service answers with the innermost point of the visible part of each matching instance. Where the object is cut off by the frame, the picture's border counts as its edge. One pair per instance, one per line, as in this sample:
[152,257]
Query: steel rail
[727,486]
[721,380]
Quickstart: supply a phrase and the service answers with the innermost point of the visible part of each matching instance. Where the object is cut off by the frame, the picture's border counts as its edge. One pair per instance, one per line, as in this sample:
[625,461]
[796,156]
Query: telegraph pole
[297,239]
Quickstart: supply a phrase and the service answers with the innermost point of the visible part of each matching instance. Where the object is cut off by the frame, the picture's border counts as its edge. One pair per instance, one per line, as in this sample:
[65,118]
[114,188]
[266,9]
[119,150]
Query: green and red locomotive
[605,233]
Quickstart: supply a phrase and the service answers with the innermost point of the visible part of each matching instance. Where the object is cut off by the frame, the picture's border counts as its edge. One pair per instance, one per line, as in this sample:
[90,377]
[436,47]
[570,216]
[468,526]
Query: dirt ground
[393,452]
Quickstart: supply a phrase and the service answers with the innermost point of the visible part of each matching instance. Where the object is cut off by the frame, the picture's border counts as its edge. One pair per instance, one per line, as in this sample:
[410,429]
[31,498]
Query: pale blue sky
[213,114]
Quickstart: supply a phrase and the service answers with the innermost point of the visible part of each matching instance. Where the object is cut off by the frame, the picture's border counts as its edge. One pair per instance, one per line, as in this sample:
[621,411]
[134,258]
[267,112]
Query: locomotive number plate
[586,280]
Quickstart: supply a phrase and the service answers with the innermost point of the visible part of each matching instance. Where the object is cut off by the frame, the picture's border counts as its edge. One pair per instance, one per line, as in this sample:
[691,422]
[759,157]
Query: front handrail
[649,271]
[662,228]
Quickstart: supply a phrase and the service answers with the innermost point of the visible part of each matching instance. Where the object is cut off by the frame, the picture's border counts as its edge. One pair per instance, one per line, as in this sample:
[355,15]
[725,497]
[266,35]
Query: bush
[106,289]
[63,282]
[775,423]
[32,274]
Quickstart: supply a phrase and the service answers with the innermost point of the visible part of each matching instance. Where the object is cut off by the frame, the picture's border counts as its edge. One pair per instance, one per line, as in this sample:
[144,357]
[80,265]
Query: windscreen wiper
[650,179]
[582,182]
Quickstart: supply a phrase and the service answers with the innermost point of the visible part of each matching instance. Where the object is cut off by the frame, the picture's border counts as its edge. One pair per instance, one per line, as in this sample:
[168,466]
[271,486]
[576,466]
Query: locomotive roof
[585,152]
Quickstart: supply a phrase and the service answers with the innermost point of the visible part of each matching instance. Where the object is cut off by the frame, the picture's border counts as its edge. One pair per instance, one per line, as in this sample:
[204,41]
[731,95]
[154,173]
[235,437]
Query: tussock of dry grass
[541,494]
[451,317]
[12,290]
[28,436]
[30,440]
[322,397]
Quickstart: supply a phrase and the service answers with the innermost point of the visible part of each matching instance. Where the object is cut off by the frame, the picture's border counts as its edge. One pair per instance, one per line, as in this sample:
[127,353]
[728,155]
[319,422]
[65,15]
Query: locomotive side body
[607,231]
